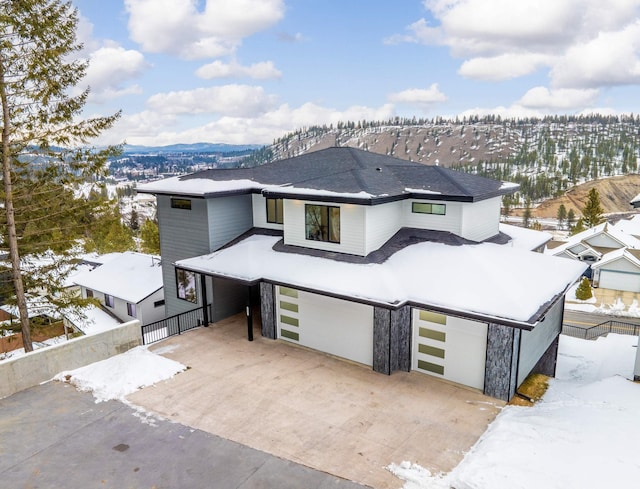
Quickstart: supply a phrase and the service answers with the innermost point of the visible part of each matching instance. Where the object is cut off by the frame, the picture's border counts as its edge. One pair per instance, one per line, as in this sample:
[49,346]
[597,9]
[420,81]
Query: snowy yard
[583,434]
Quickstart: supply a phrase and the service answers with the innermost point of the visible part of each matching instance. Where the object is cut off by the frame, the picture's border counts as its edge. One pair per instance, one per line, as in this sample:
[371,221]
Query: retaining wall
[20,373]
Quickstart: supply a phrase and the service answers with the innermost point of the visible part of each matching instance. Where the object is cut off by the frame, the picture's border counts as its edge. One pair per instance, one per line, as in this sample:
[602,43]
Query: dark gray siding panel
[229,217]
[381,340]
[183,234]
[547,364]
[400,348]
[229,298]
[536,342]
[502,354]
[268,310]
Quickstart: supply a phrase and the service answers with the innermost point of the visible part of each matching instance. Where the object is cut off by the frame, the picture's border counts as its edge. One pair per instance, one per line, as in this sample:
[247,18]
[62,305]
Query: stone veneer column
[268,310]
[400,347]
[501,367]
[381,340]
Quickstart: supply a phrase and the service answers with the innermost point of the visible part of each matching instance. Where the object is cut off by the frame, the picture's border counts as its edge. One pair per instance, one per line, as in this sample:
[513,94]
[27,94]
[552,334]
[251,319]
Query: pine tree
[150,236]
[579,227]
[571,217]
[526,216]
[583,291]
[134,223]
[562,215]
[592,211]
[41,216]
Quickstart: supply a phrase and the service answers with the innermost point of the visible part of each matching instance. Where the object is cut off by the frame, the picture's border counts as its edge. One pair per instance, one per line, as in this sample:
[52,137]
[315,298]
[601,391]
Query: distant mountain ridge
[189,148]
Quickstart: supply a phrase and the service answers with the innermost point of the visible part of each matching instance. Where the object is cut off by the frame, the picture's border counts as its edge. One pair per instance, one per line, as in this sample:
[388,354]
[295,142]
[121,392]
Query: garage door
[612,279]
[450,348]
[334,326]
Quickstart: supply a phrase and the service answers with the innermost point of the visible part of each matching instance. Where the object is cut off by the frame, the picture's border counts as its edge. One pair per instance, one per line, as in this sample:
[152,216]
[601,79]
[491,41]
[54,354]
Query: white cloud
[158,128]
[178,27]
[230,100]
[110,68]
[611,58]
[583,43]
[564,99]
[504,66]
[260,71]
[419,96]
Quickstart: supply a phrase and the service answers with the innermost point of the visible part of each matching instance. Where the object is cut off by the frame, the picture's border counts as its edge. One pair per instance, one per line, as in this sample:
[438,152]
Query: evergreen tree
[134,223]
[571,217]
[592,211]
[526,216]
[562,215]
[150,236]
[108,234]
[579,227]
[38,69]
[583,291]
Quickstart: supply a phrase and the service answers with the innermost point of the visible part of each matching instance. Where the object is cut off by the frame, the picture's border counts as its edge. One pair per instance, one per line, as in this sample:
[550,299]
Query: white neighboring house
[613,252]
[129,286]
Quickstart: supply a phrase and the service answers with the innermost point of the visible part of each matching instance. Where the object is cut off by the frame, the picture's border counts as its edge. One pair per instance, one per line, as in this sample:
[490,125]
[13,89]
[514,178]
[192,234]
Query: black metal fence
[173,325]
[592,332]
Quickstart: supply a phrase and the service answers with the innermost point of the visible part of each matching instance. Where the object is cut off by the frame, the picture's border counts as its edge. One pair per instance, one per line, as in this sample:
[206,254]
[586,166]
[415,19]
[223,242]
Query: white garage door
[450,348]
[335,326]
[612,279]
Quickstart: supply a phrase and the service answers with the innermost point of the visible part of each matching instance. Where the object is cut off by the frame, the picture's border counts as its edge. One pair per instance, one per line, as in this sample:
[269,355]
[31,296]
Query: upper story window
[425,208]
[274,211]
[89,293]
[186,285]
[322,223]
[108,300]
[131,309]
[180,203]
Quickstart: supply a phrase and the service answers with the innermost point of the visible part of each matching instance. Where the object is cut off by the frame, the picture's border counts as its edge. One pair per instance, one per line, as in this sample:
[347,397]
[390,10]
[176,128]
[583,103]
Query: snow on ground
[118,376]
[582,434]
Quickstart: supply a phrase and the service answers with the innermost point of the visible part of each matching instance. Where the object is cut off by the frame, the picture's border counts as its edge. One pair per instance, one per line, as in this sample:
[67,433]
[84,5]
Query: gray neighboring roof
[338,175]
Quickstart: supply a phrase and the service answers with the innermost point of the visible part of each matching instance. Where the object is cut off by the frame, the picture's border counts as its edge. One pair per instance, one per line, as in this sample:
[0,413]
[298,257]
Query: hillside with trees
[546,157]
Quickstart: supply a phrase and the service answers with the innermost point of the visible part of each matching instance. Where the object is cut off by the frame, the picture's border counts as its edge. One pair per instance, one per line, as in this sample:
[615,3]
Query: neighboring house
[389,263]
[129,286]
[610,250]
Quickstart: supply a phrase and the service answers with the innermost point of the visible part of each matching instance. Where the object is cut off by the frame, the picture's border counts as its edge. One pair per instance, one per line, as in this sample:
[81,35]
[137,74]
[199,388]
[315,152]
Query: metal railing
[592,332]
[174,325]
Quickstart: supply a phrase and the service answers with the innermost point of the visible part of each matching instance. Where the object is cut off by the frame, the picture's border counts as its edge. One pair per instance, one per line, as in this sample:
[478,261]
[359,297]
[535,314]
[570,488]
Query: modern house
[129,286]
[389,263]
[611,251]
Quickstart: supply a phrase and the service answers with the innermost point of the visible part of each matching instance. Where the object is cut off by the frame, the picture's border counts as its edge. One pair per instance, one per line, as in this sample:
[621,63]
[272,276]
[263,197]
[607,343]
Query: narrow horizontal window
[432,334]
[288,292]
[289,334]
[181,204]
[288,320]
[431,367]
[431,350]
[158,303]
[426,208]
[288,306]
[433,317]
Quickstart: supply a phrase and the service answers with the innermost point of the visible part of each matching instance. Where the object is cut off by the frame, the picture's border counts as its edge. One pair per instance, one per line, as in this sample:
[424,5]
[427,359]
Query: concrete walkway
[52,436]
[308,407]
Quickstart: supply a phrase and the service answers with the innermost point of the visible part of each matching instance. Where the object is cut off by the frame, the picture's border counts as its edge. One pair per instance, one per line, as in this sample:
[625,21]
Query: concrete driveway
[329,414]
[53,436]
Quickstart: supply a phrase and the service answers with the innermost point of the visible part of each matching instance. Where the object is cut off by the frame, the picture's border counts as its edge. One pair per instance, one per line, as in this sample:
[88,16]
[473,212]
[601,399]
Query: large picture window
[322,223]
[274,211]
[186,282]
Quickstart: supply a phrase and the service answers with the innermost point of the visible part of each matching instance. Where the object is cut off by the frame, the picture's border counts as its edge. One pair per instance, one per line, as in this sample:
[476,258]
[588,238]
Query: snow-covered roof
[526,239]
[131,277]
[616,255]
[95,321]
[338,175]
[488,280]
[582,238]
[629,226]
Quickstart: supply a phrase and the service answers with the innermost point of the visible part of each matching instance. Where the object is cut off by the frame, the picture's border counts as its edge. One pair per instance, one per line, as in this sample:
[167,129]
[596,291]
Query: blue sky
[249,71]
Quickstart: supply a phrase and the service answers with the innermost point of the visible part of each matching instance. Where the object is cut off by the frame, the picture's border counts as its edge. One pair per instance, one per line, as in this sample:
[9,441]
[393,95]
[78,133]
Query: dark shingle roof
[361,177]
